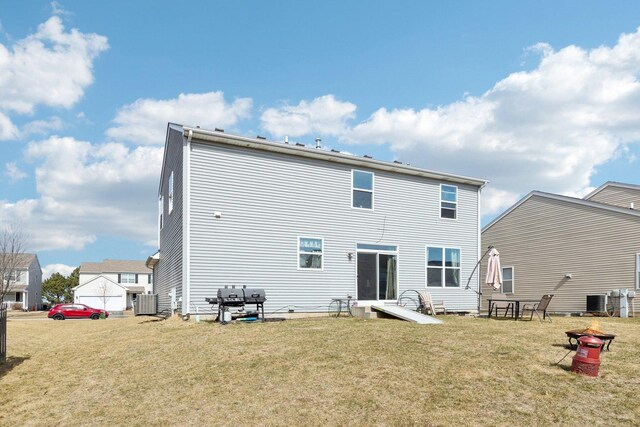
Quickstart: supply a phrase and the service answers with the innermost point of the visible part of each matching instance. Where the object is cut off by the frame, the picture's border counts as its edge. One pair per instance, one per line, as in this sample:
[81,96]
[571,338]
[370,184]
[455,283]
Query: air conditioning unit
[146,305]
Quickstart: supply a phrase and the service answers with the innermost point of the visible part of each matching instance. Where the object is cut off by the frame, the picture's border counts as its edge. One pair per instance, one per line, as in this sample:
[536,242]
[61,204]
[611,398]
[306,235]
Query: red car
[75,311]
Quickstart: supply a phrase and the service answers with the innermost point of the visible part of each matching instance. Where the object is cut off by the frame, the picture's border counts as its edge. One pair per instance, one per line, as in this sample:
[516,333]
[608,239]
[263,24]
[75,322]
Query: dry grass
[313,372]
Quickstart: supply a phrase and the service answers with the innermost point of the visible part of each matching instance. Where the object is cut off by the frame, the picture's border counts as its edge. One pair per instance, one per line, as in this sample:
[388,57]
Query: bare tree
[104,291]
[12,252]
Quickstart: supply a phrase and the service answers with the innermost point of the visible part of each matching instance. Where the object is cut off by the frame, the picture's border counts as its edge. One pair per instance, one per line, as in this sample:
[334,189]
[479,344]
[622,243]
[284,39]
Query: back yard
[139,371]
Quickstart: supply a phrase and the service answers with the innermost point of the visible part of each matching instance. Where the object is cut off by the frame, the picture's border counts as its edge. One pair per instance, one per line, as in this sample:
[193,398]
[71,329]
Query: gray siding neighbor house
[25,282]
[308,225]
[569,247]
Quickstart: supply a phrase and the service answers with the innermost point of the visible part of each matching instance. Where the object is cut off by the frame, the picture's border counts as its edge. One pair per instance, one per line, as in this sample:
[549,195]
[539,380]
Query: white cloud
[7,129]
[145,121]
[546,129]
[13,172]
[63,269]
[88,190]
[50,67]
[43,127]
[324,116]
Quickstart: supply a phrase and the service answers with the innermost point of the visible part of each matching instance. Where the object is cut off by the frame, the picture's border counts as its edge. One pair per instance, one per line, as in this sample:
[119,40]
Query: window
[14,276]
[128,278]
[448,201]
[170,192]
[362,189]
[310,253]
[507,280]
[161,212]
[443,267]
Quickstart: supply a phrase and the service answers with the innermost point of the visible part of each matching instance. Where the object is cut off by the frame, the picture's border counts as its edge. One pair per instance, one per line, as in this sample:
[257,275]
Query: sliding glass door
[377,272]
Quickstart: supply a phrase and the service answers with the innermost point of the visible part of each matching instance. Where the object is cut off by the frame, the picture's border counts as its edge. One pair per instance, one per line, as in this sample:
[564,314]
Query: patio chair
[430,306]
[502,305]
[537,308]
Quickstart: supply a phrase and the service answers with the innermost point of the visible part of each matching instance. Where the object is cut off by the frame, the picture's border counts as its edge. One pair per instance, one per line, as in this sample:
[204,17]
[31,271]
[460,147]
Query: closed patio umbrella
[494,272]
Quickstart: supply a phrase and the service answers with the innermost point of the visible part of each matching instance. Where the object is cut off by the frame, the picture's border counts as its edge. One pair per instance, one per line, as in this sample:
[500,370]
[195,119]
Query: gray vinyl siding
[34,288]
[169,268]
[544,238]
[618,196]
[268,200]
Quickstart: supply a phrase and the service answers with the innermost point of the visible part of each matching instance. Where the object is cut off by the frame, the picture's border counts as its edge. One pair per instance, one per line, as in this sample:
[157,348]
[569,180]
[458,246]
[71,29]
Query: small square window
[310,252]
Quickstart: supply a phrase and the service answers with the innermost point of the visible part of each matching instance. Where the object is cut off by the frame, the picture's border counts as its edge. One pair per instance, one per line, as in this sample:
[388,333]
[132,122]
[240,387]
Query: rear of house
[569,247]
[308,225]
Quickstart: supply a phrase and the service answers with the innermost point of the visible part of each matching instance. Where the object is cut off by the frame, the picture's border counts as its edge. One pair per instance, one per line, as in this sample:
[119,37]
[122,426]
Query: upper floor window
[448,201]
[161,212]
[171,192]
[128,278]
[310,253]
[443,267]
[507,280]
[14,276]
[362,189]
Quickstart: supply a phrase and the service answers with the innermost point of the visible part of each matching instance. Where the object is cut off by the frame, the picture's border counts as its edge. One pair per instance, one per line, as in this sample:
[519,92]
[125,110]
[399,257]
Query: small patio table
[515,301]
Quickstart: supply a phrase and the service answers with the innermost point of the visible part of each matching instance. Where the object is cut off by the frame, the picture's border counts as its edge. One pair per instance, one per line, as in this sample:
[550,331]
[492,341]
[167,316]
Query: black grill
[230,297]
[254,296]
[238,298]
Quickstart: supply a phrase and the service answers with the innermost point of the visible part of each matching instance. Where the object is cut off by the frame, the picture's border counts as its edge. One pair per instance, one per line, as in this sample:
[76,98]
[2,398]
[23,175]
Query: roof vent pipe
[631,205]
[286,139]
[318,143]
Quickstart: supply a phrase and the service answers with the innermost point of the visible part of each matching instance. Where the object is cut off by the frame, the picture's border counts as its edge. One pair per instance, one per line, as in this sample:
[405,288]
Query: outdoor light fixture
[217,215]
[349,256]
[568,275]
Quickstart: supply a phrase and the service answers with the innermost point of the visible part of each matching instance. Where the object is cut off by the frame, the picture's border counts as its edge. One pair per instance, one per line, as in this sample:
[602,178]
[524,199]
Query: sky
[530,95]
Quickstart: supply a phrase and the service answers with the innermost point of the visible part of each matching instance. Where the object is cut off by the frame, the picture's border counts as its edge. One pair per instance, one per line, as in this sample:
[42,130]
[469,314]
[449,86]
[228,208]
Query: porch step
[364,312]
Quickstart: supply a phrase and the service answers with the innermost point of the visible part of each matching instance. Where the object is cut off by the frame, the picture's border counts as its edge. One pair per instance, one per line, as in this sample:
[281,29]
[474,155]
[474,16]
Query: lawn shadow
[10,363]
[155,319]
[566,346]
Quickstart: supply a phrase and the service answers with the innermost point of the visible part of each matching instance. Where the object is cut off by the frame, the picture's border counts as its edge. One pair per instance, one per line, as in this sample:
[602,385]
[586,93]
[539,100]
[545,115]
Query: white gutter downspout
[186,225]
[479,247]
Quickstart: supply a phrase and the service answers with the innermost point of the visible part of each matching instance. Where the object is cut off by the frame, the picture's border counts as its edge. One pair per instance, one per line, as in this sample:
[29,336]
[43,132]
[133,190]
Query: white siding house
[26,283]
[308,225]
[112,284]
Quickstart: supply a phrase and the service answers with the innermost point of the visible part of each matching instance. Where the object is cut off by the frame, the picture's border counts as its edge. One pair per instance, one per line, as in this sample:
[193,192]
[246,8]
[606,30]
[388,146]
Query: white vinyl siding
[448,201]
[362,189]
[637,271]
[310,251]
[508,280]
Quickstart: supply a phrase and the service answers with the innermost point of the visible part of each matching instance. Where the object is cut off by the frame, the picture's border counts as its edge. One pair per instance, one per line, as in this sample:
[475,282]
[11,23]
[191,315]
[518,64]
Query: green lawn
[138,371]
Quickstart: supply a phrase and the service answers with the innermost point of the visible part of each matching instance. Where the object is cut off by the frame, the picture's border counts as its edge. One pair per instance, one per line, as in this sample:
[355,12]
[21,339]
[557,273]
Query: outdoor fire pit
[592,331]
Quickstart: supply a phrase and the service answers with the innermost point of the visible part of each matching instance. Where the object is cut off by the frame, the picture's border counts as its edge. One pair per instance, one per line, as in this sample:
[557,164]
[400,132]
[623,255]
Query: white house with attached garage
[308,225]
[24,276]
[112,284]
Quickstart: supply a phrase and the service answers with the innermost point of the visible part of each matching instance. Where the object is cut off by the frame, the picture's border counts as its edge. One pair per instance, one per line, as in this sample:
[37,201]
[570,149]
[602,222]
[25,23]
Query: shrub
[16,306]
